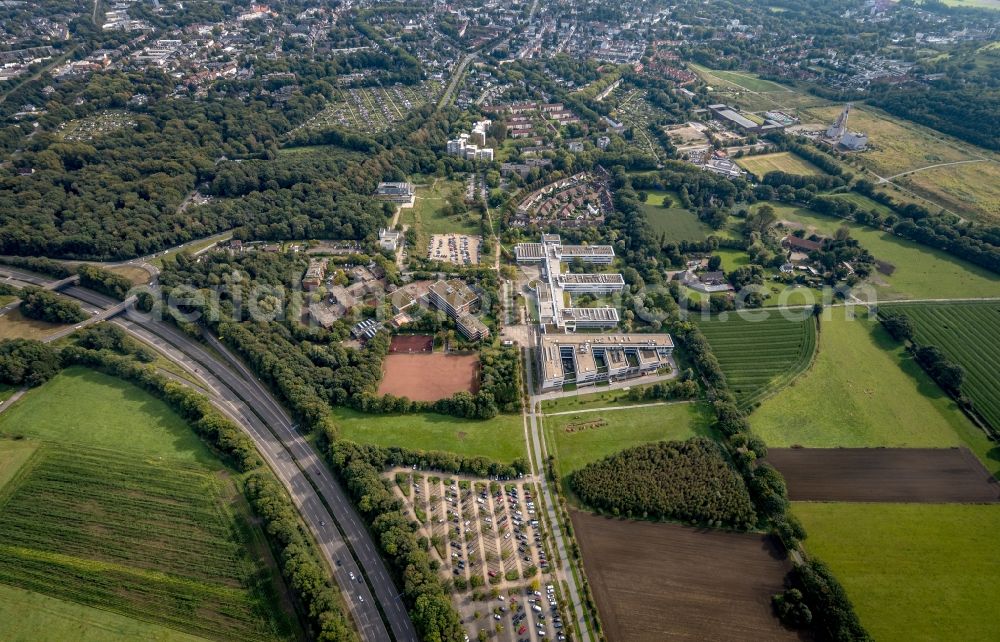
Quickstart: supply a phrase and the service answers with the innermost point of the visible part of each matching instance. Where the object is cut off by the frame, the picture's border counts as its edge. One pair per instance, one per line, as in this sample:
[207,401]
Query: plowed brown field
[655,582]
[914,475]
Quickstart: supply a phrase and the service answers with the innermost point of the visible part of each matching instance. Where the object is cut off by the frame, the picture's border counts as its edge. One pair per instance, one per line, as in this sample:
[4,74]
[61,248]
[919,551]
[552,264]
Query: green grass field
[426,215]
[970,189]
[920,272]
[674,222]
[123,509]
[759,357]
[782,295]
[149,540]
[15,325]
[597,397]
[748,81]
[732,259]
[192,247]
[914,571]
[13,455]
[982,4]
[740,79]
[576,440]
[26,616]
[501,438]
[778,162]
[85,407]
[865,391]
[969,333]
[6,392]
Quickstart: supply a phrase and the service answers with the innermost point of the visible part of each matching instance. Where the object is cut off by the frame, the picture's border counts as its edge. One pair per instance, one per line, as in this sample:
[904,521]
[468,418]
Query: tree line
[976,243]
[359,467]
[26,362]
[948,374]
[104,281]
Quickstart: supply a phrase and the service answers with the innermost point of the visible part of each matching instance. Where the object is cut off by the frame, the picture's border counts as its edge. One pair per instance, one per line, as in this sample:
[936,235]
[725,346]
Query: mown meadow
[762,353]
[155,530]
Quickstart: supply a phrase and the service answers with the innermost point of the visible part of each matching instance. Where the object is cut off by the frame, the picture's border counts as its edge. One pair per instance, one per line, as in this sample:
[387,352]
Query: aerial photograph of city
[522,321]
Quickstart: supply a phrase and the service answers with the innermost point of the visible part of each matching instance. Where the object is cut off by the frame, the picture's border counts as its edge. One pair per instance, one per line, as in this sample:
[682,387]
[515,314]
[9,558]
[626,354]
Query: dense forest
[688,481]
[24,362]
[44,305]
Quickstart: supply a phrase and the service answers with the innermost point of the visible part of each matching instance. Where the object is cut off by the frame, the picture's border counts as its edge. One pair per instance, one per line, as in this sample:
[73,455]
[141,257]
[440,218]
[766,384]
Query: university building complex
[565,357]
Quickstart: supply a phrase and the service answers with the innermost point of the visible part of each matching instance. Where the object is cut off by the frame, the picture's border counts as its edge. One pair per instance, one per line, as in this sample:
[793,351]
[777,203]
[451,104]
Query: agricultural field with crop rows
[154,541]
[969,333]
[761,356]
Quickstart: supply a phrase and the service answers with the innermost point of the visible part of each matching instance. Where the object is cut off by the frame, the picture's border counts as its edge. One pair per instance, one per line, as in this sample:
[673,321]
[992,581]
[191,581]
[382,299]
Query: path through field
[4,405]
[920,169]
[610,408]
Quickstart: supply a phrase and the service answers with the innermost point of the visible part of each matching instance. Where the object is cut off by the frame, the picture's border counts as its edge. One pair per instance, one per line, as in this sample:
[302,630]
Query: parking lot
[492,548]
[460,249]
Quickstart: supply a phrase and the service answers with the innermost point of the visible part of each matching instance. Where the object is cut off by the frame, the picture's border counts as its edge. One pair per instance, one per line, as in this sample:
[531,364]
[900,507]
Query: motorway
[343,539]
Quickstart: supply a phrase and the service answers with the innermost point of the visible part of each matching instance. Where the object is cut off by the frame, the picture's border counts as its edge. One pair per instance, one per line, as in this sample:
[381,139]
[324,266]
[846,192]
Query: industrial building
[839,134]
[588,359]
[738,121]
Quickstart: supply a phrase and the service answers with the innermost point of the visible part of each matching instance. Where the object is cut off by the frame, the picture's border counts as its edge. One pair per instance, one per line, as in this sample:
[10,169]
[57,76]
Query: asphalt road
[13,274]
[539,455]
[327,511]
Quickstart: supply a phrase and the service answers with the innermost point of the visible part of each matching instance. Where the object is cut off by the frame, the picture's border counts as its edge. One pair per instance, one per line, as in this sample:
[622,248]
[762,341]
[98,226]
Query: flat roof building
[739,121]
[472,327]
[313,278]
[536,252]
[453,296]
[550,252]
[395,192]
[588,359]
[529,252]
[587,253]
[324,315]
[573,318]
[389,239]
[457,299]
[595,283]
